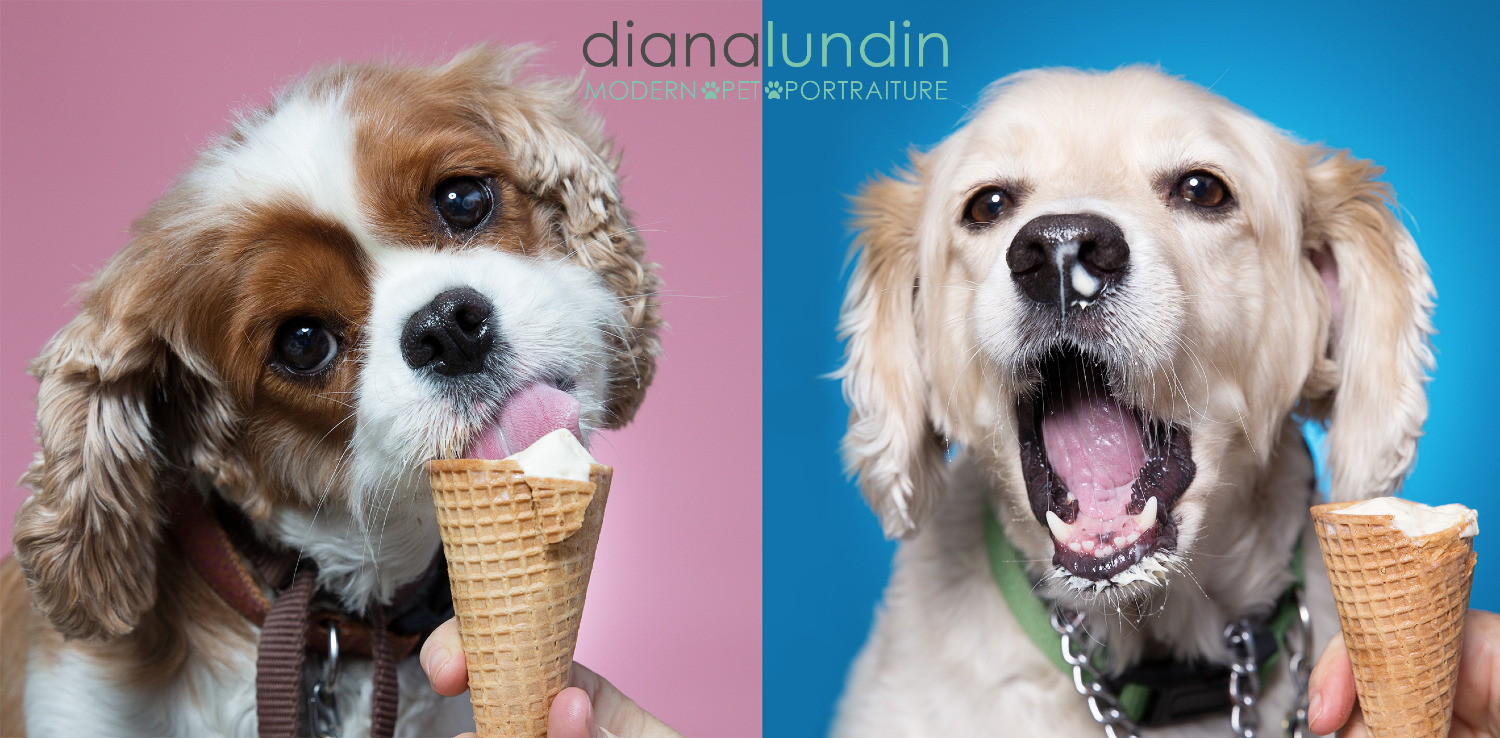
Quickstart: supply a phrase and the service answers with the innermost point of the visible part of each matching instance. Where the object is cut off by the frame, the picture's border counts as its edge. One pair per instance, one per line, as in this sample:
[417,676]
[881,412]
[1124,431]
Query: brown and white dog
[384,266]
[1114,296]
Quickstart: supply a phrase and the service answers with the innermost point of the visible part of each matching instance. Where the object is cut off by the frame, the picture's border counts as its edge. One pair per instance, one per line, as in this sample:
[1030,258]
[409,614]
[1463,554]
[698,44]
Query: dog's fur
[165,383]
[1306,299]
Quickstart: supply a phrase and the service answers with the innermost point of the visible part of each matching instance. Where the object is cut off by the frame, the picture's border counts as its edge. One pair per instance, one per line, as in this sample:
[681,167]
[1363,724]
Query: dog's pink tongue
[528,415]
[1094,445]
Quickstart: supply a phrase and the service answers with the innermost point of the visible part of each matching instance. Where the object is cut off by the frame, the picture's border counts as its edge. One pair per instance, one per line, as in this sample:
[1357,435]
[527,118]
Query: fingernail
[1314,707]
[437,660]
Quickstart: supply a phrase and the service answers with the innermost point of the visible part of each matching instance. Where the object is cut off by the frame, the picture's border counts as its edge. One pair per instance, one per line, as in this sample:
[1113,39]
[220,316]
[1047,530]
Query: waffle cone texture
[1401,603]
[519,550]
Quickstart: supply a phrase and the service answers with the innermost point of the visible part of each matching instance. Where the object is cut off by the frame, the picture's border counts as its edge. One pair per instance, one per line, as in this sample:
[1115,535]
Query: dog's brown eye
[305,346]
[1203,189]
[987,205]
[464,202]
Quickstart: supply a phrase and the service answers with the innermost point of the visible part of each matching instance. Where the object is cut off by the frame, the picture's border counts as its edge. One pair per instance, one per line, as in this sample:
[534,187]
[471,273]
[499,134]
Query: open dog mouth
[1101,476]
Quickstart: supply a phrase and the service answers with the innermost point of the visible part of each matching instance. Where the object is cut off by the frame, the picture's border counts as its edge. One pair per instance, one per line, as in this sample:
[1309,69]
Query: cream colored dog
[1111,298]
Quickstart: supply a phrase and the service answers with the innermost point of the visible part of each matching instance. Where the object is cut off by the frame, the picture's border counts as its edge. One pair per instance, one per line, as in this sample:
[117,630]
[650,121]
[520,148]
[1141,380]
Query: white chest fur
[71,693]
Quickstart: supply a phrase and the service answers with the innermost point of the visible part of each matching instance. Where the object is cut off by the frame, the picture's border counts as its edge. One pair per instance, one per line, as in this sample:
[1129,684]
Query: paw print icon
[710,90]
[773,90]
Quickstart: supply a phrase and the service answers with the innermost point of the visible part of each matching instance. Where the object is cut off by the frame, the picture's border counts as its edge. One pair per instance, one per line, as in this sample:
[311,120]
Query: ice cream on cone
[520,548]
[1401,578]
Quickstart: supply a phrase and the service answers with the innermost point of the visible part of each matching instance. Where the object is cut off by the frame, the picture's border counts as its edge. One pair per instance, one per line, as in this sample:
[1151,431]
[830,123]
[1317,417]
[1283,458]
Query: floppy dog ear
[1370,387]
[890,443]
[87,537]
[570,164]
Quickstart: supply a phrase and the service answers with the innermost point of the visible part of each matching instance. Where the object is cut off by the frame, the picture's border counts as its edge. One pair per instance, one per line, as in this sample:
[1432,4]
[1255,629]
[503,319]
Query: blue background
[1414,87]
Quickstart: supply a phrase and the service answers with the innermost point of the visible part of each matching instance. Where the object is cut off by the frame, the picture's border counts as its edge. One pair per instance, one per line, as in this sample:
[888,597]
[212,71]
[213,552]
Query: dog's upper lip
[1101,476]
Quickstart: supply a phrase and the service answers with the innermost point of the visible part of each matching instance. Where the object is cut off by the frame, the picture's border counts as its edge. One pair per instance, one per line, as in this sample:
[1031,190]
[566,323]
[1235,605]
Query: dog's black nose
[450,335]
[1067,259]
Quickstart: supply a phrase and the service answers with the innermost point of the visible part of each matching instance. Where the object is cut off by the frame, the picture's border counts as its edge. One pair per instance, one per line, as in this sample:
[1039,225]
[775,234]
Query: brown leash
[278,660]
[224,550]
[383,719]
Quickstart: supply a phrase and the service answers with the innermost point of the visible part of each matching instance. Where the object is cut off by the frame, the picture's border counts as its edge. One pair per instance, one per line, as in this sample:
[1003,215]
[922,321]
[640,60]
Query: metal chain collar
[1298,645]
[1244,679]
[1079,650]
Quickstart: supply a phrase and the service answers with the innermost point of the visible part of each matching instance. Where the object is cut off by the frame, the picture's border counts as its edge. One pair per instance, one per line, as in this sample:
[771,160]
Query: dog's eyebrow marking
[303,148]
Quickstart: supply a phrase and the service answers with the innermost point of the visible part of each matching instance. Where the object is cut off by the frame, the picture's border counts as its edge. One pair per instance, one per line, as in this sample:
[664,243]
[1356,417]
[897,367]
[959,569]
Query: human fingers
[443,659]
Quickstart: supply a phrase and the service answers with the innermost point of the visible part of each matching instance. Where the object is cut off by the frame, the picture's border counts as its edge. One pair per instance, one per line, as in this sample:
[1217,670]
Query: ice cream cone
[519,549]
[1401,603]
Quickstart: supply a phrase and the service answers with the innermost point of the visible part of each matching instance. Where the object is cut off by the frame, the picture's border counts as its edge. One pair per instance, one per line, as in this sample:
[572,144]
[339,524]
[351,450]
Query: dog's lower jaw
[1135,583]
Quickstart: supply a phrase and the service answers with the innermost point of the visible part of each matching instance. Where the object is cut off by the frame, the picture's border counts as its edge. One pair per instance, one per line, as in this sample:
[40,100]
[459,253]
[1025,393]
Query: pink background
[102,105]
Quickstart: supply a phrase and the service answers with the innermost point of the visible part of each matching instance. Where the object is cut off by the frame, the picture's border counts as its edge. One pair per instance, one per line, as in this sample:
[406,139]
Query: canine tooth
[1147,518]
[1060,530]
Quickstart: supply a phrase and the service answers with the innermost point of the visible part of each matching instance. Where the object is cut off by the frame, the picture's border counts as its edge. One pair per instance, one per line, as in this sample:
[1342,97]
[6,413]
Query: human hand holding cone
[1402,595]
[520,549]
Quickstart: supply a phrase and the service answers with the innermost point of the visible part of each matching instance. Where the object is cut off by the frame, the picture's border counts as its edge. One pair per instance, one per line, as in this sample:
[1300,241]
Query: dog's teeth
[1060,530]
[1120,541]
[1147,518]
[1104,551]
[1090,544]
[1075,547]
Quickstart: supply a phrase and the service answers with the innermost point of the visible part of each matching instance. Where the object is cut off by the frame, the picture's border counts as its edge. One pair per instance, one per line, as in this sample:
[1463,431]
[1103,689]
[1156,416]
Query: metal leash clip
[322,700]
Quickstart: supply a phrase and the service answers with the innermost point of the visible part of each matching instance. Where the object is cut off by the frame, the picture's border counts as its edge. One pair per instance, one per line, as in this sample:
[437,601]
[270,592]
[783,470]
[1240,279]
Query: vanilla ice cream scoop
[1415,519]
[557,455]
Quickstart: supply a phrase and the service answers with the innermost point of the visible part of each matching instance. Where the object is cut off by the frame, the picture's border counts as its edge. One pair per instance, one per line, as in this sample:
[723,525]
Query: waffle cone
[1401,603]
[519,552]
